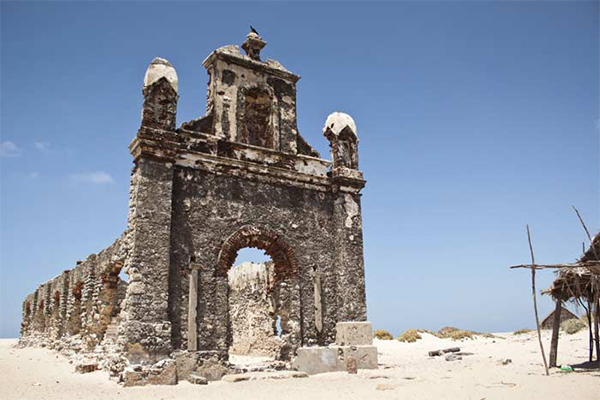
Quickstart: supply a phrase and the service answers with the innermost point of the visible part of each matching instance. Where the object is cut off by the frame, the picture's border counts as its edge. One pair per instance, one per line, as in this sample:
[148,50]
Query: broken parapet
[354,341]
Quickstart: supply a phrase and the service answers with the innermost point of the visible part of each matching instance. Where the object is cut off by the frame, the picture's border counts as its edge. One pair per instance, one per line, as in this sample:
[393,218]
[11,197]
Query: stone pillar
[348,260]
[147,326]
[340,130]
[193,309]
[318,303]
[160,95]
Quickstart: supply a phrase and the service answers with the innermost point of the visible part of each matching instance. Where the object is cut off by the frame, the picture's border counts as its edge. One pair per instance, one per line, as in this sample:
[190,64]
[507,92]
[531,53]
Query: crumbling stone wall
[73,306]
[239,176]
[253,310]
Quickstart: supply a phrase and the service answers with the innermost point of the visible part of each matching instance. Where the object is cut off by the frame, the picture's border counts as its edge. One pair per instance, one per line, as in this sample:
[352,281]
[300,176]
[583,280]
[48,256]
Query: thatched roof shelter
[579,283]
[581,280]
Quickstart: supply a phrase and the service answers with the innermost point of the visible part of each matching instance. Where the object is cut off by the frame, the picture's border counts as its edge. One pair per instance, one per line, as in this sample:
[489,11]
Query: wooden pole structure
[595,289]
[596,323]
[537,319]
[587,232]
[588,313]
[555,331]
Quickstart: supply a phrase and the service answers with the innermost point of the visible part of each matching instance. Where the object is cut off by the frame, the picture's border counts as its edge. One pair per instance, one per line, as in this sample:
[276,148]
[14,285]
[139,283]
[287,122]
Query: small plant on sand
[382,334]
[409,336]
[522,331]
[572,326]
[450,332]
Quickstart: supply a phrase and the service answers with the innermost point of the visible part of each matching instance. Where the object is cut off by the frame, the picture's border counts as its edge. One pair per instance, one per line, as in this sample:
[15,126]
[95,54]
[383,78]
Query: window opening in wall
[278,325]
[123,275]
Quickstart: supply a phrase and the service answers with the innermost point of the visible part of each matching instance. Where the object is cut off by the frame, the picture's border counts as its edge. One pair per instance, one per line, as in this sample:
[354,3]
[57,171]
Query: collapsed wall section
[74,309]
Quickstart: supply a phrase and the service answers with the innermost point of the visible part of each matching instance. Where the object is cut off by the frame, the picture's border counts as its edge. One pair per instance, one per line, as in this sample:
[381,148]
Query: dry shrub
[382,334]
[450,332]
[409,336]
[522,331]
[572,326]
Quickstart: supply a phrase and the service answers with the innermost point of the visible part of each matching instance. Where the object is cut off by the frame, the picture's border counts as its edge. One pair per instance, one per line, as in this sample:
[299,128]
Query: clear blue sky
[474,119]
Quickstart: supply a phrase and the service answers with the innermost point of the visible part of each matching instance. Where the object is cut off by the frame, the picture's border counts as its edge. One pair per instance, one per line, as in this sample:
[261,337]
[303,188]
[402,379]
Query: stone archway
[273,243]
[285,286]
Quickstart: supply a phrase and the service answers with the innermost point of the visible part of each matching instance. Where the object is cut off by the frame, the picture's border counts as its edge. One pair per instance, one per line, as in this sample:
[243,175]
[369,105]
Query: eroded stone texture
[253,312]
[239,176]
[354,333]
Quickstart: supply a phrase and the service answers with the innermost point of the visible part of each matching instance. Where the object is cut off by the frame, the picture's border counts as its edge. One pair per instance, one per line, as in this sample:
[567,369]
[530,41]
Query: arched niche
[257,119]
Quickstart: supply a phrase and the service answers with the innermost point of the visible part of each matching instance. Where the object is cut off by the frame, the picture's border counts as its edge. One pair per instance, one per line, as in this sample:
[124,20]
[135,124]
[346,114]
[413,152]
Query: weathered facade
[240,176]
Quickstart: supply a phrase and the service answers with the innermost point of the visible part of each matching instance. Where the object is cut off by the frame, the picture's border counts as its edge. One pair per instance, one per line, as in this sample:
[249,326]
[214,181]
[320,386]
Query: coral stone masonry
[239,176]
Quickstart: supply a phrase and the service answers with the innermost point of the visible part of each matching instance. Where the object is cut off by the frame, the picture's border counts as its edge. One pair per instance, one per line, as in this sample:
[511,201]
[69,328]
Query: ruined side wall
[209,208]
[78,303]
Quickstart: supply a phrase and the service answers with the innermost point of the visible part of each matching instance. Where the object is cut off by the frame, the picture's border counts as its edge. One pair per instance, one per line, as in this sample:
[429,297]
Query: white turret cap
[159,68]
[336,122]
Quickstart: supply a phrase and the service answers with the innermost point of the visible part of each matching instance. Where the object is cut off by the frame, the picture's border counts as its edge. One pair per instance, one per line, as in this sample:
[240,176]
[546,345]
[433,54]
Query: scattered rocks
[86,367]
[197,380]
[162,373]
[453,357]
[351,365]
[257,376]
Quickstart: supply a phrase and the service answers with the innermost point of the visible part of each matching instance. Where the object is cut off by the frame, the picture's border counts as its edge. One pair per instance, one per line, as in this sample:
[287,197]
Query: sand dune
[406,372]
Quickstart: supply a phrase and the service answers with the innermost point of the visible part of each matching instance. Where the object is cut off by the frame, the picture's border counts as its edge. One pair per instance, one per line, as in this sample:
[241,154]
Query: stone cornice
[207,152]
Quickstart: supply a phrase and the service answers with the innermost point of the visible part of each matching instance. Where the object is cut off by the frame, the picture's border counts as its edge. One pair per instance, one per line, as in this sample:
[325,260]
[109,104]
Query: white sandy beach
[406,372]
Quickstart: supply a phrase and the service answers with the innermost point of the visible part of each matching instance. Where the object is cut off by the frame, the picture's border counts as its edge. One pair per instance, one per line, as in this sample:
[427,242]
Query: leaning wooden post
[537,319]
[587,233]
[555,331]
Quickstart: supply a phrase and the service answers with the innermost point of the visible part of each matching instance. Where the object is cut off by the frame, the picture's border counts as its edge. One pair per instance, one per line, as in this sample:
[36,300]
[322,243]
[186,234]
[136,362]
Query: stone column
[348,259]
[347,181]
[193,309]
[318,303]
[147,327]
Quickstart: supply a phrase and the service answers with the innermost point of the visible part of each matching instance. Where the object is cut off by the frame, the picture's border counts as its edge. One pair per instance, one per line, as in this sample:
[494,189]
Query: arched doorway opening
[264,312]
[254,315]
[111,296]
[75,309]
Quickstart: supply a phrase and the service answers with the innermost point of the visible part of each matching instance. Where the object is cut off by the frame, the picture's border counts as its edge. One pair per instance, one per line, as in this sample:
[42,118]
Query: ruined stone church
[240,176]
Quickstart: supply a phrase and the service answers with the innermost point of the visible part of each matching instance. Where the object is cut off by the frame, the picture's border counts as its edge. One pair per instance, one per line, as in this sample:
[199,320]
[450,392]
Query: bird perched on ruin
[253,30]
